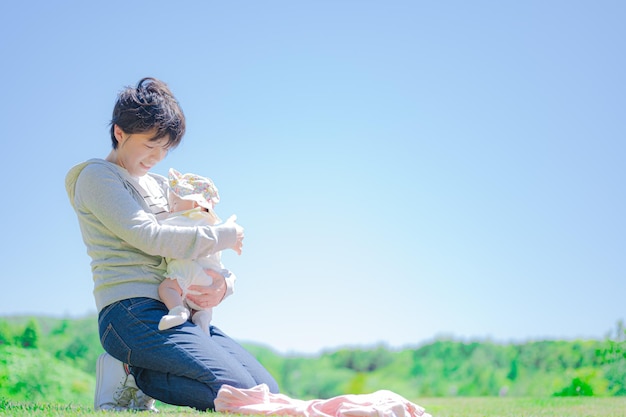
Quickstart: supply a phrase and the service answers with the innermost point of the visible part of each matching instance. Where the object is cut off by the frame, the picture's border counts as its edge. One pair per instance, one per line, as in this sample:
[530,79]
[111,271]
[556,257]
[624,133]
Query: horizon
[610,334]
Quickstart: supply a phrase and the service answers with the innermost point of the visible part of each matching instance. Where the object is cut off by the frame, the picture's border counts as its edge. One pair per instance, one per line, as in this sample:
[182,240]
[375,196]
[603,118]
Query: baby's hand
[232,221]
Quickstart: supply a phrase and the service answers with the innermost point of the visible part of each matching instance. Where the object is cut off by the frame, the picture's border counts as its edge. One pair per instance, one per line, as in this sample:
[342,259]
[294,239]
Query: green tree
[576,388]
[612,356]
[34,375]
[30,336]
[7,334]
[361,360]
[513,371]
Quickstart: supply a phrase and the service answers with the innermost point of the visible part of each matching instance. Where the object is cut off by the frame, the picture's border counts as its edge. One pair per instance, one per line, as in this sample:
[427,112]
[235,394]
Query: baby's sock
[175,317]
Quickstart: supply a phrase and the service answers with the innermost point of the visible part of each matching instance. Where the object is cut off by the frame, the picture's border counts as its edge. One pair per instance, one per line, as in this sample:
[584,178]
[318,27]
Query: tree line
[46,359]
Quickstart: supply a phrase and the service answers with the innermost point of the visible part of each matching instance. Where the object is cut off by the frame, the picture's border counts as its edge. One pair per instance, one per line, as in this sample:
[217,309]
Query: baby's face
[178,204]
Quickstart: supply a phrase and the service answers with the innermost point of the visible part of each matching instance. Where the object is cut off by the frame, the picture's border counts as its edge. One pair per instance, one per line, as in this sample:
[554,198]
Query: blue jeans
[180,366]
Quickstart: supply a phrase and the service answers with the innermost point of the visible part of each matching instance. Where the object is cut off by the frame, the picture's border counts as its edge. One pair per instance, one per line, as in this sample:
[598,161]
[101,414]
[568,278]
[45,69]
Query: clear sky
[404,170]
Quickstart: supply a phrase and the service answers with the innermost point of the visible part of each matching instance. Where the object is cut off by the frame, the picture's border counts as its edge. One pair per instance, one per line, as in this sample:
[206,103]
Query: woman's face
[137,153]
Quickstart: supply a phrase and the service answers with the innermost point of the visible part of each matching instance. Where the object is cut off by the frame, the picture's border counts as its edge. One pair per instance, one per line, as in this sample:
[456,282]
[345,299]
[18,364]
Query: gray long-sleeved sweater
[126,243]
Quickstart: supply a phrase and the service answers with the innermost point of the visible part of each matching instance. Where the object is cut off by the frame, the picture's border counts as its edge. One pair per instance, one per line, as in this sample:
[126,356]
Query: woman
[118,203]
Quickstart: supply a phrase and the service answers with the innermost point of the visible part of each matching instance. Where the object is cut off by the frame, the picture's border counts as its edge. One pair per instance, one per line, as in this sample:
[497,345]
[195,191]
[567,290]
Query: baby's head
[188,191]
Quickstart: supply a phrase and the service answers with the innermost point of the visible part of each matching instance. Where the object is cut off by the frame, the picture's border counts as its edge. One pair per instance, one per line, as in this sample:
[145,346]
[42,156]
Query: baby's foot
[175,317]
[202,318]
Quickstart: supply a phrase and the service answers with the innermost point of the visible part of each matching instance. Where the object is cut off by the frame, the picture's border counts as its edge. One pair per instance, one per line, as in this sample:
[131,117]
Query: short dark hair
[149,106]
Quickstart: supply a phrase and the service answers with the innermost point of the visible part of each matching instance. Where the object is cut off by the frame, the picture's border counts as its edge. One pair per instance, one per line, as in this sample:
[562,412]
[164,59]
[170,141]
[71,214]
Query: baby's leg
[202,318]
[171,295]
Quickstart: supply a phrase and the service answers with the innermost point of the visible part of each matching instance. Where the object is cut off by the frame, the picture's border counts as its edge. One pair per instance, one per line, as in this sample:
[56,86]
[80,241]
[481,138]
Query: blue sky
[404,170]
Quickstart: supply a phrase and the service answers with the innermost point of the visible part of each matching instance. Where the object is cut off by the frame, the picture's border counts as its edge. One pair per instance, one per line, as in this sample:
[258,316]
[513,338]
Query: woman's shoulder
[94,165]
[92,168]
[98,169]
[89,176]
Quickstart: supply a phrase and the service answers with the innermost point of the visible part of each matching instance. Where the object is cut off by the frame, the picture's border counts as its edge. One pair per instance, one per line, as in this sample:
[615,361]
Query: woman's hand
[239,244]
[208,296]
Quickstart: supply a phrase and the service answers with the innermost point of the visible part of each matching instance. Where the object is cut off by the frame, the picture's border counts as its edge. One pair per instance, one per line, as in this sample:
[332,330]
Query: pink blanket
[260,401]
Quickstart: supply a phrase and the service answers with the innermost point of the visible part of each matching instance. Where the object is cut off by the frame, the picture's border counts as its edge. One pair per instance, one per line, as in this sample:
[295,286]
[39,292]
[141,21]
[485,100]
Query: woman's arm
[102,191]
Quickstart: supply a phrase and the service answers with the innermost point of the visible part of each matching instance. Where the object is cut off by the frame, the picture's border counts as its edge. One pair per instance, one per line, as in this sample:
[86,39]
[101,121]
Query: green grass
[526,407]
[438,407]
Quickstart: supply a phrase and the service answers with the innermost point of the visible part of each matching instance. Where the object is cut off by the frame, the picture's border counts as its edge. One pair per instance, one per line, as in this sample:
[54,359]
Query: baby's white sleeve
[230,281]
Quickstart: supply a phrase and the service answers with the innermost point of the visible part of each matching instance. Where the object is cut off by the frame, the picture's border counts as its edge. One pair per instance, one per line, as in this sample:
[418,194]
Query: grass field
[438,407]
[526,407]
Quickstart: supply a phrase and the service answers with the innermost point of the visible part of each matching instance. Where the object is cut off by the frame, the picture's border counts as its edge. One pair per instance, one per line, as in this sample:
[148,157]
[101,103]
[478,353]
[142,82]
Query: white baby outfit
[191,272]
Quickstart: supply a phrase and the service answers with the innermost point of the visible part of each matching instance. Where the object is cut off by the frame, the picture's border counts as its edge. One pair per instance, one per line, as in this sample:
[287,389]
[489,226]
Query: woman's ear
[119,134]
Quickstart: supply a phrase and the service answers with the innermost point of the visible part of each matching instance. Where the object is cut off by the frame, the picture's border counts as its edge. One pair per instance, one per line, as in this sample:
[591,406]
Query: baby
[192,199]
